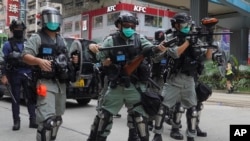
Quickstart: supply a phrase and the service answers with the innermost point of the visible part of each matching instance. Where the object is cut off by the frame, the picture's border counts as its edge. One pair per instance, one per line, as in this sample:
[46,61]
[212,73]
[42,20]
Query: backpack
[234,70]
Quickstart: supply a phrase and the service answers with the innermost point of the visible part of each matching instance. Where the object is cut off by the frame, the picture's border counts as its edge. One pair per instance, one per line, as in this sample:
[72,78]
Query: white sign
[140,9]
[84,25]
[111,8]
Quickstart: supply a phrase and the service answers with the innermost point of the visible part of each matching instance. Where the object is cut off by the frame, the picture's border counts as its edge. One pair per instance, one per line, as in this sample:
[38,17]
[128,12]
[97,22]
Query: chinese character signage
[12,10]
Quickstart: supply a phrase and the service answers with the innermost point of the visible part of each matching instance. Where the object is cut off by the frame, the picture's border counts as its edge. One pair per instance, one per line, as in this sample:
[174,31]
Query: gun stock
[130,67]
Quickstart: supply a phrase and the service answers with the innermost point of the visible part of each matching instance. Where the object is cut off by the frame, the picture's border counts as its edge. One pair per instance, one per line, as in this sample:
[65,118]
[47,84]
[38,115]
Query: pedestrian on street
[229,76]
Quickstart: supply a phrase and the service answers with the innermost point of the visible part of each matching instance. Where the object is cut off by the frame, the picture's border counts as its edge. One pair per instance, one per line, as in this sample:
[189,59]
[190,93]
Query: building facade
[26,10]
[96,24]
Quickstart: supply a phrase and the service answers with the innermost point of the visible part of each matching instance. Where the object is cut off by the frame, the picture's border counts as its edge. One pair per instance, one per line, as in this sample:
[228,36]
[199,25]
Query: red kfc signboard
[12,11]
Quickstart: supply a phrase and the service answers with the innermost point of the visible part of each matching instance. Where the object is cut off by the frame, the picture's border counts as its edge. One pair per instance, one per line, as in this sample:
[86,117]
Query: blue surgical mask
[128,32]
[185,29]
[52,26]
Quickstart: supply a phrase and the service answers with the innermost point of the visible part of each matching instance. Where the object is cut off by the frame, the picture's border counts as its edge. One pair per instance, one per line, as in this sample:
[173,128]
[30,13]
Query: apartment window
[77,26]
[112,17]
[98,21]
[68,6]
[153,21]
[68,27]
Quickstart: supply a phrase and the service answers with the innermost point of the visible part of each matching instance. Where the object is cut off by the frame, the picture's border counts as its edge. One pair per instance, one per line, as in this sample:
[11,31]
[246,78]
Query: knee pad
[199,106]
[141,125]
[191,118]
[159,118]
[178,111]
[130,121]
[105,123]
[44,132]
[58,121]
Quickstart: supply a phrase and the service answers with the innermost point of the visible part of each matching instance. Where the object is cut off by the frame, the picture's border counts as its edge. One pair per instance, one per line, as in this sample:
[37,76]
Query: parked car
[87,85]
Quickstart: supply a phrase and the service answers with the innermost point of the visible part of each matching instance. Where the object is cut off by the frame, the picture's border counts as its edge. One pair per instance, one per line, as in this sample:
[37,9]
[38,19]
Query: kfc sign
[111,8]
[140,9]
[12,10]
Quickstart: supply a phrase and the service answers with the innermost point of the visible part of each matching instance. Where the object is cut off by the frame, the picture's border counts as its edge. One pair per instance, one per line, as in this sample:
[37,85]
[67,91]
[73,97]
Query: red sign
[12,11]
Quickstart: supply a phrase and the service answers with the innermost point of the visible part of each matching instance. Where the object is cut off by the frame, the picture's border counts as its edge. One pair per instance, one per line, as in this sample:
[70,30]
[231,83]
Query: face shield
[52,21]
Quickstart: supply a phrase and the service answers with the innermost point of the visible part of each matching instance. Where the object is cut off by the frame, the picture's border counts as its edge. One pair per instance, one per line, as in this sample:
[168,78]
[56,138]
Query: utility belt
[125,81]
[16,66]
[52,75]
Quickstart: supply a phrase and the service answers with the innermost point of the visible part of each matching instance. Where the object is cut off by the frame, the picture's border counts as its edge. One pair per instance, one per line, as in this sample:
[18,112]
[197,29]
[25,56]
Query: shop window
[153,21]
[112,17]
[98,21]
[68,27]
[77,26]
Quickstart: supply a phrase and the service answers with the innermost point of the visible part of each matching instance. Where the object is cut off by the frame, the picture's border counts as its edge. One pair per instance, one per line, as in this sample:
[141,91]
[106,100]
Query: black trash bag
[203,91]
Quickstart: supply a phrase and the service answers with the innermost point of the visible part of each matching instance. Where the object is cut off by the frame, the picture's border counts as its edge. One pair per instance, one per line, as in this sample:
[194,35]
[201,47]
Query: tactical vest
[120,57]
[188,63]
[128,53]
[51,50]
[13,60]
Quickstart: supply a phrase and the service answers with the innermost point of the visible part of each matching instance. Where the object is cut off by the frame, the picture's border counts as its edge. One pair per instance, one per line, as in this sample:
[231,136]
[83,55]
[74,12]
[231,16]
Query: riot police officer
[16,73]
[47,50]
[182,65]
[121,89]
[157,68]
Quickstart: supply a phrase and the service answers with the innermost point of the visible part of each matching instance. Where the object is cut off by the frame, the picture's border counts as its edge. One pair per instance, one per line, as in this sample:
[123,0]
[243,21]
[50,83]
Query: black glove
[192,39]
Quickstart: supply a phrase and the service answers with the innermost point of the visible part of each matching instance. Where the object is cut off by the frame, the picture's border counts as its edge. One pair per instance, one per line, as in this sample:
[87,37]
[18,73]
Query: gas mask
[18,34]
[128,32]
[185,28]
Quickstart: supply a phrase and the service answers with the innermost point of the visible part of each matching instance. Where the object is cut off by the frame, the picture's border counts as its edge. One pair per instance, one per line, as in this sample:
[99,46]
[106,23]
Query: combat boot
[16,125]
[190,139]
[175,133]
[92,136]
[33,123]
[157,137]
[133,135]
[200,133]
[100,138]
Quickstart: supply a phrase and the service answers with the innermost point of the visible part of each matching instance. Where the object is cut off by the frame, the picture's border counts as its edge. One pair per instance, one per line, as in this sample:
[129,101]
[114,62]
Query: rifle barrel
[116,47]
[154,83]
[213,33]
[169,42]
[11,95]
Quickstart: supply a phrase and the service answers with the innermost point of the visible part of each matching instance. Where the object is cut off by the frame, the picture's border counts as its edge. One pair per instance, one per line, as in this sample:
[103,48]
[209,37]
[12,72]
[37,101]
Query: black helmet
[180,18]
[160,35]
[17,24]
[126,17]
[51,19]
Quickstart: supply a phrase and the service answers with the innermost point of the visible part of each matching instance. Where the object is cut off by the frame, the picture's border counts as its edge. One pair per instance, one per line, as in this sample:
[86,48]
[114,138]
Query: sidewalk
[235,99]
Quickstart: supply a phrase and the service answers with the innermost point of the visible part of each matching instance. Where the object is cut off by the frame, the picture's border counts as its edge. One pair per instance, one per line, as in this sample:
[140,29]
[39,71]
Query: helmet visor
[185,25]
[52,18]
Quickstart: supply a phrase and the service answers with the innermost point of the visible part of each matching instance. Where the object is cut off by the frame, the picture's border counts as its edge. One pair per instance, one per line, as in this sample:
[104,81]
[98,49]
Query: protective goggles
[52,18]
[186,24]
[128,25]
